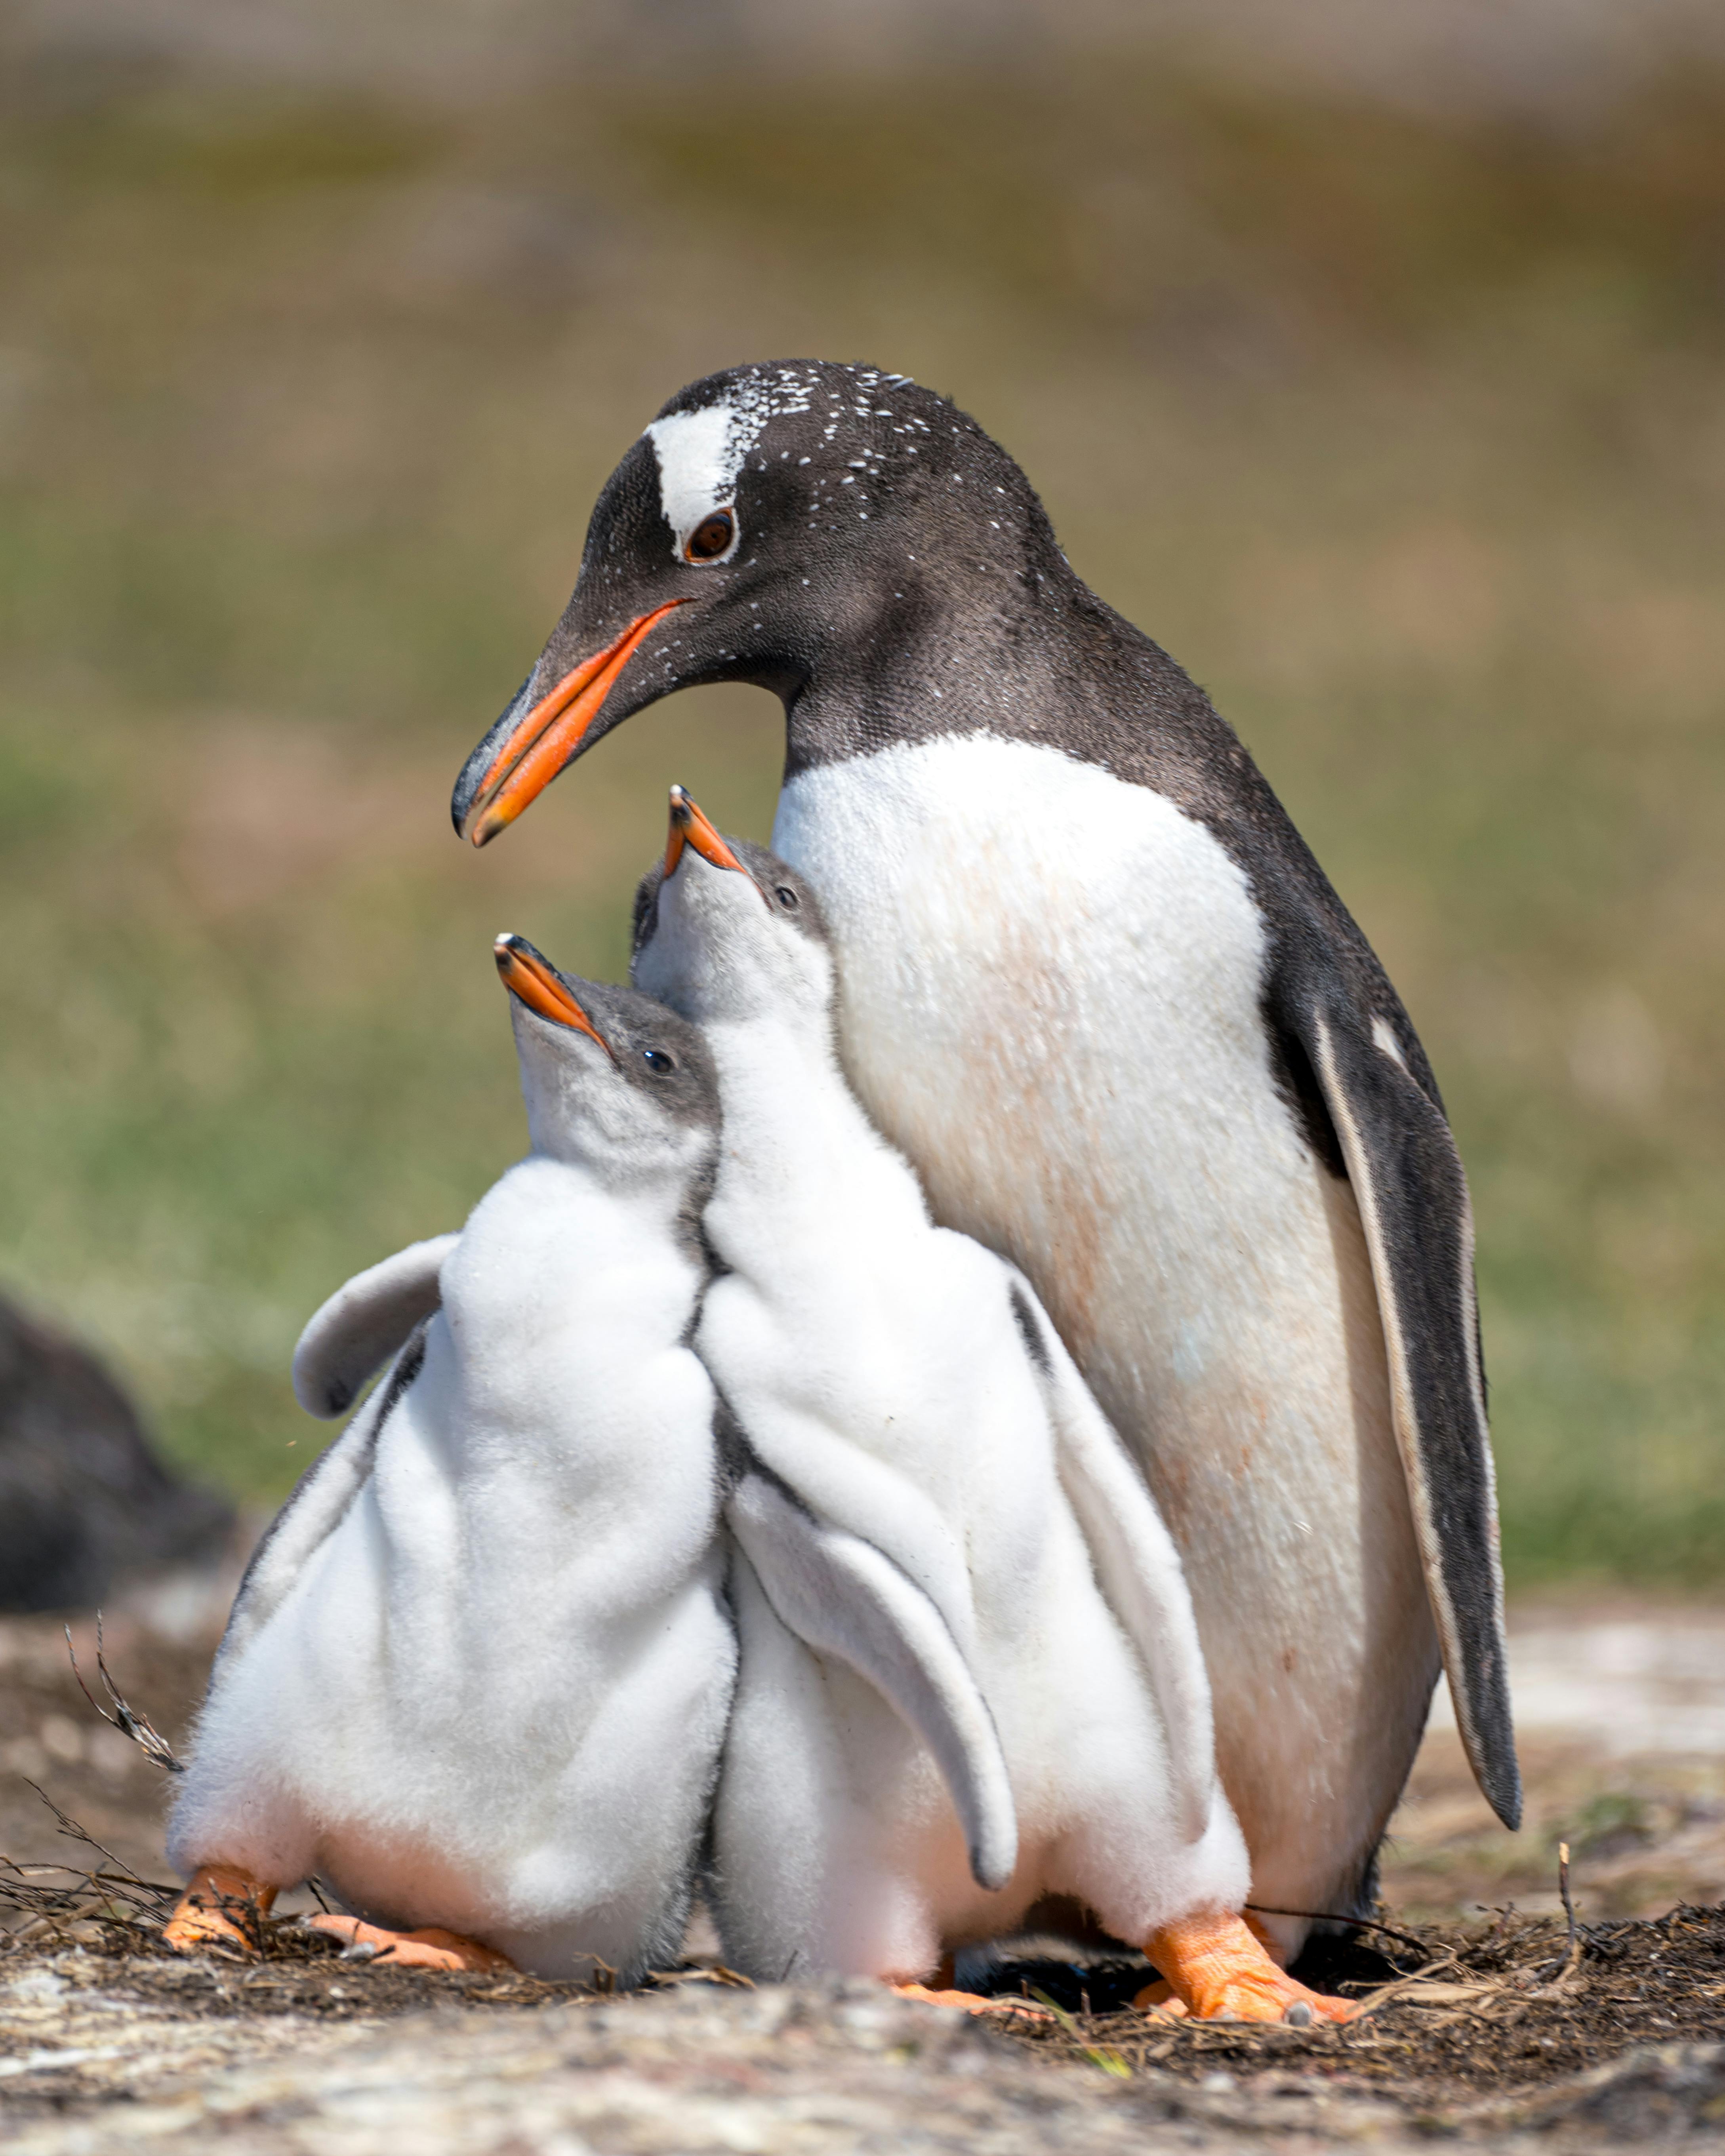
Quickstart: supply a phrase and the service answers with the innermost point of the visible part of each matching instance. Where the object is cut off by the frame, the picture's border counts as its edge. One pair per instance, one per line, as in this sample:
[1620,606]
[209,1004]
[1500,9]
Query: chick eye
[712,537]
[657,1059]
[786,897]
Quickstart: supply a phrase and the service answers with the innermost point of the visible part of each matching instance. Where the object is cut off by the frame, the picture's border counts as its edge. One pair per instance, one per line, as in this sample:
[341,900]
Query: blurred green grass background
[1403,429]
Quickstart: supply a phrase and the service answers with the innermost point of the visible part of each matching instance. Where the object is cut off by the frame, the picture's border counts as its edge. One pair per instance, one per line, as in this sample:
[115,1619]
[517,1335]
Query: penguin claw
[1219,1970]
[430,1949]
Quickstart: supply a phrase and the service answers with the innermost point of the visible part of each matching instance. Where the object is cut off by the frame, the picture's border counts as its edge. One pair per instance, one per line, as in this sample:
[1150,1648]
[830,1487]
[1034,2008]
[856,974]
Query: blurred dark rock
[84,1503]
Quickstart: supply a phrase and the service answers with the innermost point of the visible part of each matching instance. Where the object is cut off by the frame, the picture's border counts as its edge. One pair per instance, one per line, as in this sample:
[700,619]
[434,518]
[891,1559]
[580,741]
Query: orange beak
[689,827]
[551,733]
[526,976]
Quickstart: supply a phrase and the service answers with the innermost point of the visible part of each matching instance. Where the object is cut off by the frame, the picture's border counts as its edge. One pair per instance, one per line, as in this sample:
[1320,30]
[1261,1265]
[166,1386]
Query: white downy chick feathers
[903,1381]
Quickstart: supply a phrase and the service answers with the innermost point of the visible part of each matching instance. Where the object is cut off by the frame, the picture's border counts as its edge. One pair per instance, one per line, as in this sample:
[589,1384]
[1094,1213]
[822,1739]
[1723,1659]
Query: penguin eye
[658,1061]
[786,897]
[712,537]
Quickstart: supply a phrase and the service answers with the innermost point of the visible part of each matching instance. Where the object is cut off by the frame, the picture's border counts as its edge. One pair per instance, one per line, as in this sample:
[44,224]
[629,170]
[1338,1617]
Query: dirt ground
[1488,2018]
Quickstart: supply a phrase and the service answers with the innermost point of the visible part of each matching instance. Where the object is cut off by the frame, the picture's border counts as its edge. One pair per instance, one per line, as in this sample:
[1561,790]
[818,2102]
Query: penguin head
[725,931]
[775,524]
[611,1080]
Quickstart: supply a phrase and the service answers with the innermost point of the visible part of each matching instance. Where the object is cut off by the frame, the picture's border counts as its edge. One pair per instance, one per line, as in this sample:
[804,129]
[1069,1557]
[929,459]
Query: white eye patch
[700,454]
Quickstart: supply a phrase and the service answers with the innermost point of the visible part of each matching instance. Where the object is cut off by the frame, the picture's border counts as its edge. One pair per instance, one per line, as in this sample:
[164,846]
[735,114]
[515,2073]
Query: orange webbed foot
[1159,1998]
[1218,1969]
[430,1949]
[970,2002]
[219,1908]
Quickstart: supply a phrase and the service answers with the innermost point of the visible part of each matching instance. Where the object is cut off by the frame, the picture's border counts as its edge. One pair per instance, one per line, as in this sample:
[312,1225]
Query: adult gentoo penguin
[903,1381]
[1096,989]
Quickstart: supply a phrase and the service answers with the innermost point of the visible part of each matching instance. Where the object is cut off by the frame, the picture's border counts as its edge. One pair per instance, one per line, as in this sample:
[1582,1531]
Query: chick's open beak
[689,827]
[538,748]
[527,976]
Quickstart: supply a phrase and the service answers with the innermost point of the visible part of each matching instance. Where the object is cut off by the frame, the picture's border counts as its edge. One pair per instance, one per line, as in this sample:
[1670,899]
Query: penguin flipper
[1412,1192]
[315,1509]
[843,1597]
[1136,1564]
[363,1324]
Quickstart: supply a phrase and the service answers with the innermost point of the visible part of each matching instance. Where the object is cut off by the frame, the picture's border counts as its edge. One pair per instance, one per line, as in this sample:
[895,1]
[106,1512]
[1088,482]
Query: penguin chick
[906,1384]
[477,1676]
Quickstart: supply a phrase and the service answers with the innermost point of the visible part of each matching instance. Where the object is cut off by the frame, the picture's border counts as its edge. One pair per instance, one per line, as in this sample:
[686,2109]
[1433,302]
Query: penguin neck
[544,1251]
[654,1185]
[1034,656]
[976,665]
[795,1136]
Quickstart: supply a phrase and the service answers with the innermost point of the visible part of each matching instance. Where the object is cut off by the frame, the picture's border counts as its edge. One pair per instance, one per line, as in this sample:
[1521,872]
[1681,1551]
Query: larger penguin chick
[904,1382]
[477,1676]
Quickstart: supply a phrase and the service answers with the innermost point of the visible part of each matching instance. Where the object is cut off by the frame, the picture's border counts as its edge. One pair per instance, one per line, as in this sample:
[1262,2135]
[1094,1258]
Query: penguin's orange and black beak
[690,827]
[504,775]
[533,980]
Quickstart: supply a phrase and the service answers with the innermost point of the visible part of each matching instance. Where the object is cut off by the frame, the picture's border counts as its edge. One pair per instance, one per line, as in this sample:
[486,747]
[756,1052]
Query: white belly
[493,1697]
[1050,1000]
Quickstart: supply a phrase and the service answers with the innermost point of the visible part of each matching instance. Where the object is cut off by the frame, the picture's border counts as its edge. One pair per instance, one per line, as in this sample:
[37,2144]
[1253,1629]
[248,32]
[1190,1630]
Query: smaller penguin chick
[477,1674]
[906,1384]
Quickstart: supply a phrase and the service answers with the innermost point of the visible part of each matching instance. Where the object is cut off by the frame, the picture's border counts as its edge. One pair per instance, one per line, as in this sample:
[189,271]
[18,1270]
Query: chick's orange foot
[1219,1970]
[430,1949]
[969,2002]
[220,1908]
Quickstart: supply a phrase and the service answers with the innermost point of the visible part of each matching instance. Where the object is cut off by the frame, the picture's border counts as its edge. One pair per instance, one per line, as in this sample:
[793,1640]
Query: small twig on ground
[142,1731]
[1399,1987]
[70,1827]
[704,1973]
[1574,1955]
[132,1906]
[1102,2055]
[246,1913]
[1354,1923]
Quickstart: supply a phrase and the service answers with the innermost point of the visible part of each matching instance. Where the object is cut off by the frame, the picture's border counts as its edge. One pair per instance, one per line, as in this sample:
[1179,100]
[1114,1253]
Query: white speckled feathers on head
[700,453]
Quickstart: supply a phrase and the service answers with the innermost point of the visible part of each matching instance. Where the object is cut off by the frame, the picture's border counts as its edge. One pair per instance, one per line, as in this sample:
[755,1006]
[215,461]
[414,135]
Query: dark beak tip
[464,816]
[465,795]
